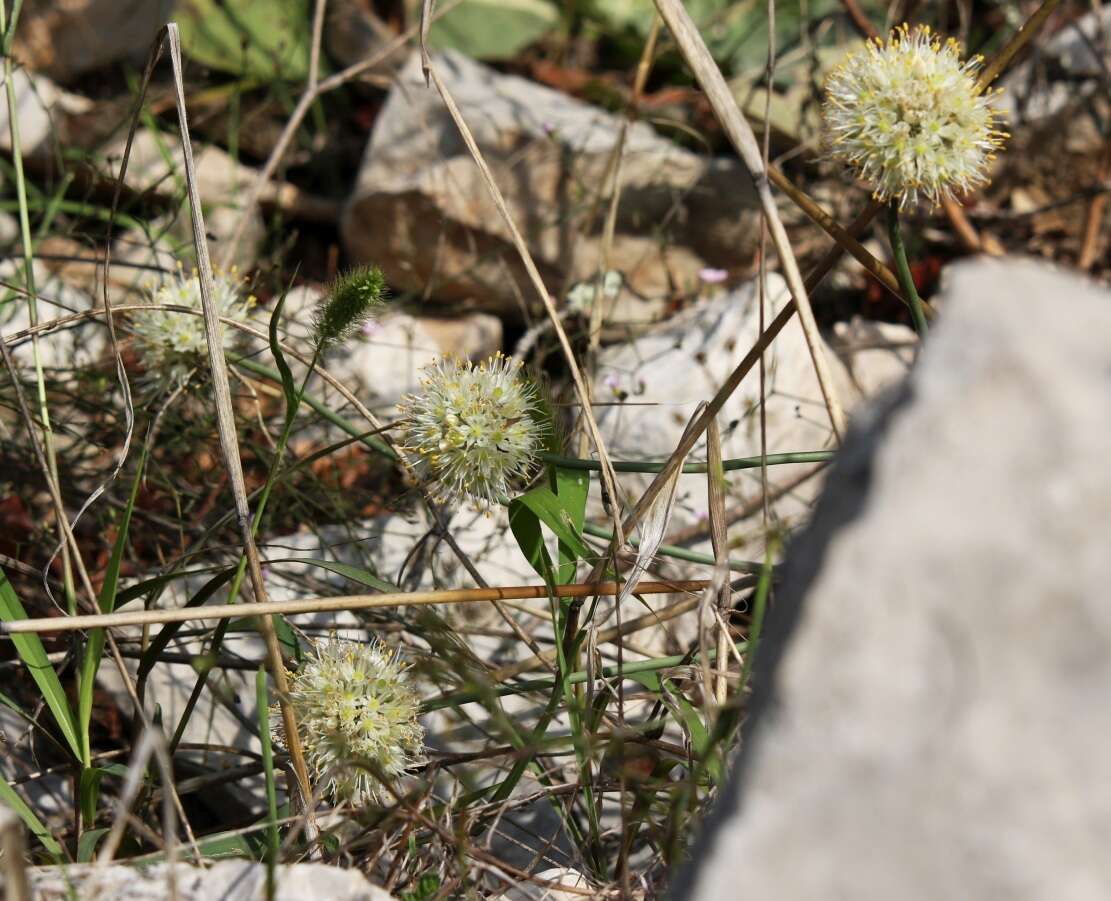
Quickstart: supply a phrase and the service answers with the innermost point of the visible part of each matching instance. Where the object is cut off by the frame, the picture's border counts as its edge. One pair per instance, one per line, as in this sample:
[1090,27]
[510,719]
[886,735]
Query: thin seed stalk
[902,270]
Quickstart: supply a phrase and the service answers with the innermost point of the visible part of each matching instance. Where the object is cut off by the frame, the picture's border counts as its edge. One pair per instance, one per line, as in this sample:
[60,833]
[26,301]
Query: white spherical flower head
[357,717]
[172,344]
[907,115]
[472,429]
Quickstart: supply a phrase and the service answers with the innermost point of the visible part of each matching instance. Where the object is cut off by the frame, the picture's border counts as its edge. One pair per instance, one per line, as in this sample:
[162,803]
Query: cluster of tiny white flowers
[172,344]
[354,708]
[907,115]
[580,299]
[472,429]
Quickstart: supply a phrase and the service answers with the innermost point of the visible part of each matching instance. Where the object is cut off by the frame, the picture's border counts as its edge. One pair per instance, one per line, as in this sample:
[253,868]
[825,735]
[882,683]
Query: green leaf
[263,703]
[562,518]
[493,29]
[572,487]
[261,41]
[31,652]
[288,387]
[148,586]
[354,573]
[88,792]
[12,798]
[86,845]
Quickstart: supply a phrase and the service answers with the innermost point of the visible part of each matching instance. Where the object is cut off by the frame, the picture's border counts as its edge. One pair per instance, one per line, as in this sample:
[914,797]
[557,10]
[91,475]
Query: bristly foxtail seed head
[357,717]
[906,114]
[172,344]
[472,429]
[352,299]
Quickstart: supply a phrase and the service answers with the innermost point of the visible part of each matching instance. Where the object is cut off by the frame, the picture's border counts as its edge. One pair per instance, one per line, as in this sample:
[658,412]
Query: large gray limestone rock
[930,718]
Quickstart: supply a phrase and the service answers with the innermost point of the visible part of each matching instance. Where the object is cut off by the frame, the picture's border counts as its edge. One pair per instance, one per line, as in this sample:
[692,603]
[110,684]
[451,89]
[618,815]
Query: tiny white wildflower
[354,707]
[906,114]
[580,299]
[172,344]
[472,428]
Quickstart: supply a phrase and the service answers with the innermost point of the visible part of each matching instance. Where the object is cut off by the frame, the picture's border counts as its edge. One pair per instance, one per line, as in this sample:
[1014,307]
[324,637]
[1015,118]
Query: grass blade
[33,654]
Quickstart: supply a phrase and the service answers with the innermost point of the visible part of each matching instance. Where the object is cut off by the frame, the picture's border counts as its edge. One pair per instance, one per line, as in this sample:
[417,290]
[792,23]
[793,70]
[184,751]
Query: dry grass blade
[327,605]
[225,421]
[14,847]
[1022,37]
[151,744]
[740,133]
[655,527]
[719,593]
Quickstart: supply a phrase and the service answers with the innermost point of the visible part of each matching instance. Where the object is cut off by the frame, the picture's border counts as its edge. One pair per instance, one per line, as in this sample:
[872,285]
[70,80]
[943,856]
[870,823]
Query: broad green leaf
[86,845]
[31,652]
[493,29]
[736,31]
[13,799]
[543,504]
[261,41]
[88,792]
[572,487]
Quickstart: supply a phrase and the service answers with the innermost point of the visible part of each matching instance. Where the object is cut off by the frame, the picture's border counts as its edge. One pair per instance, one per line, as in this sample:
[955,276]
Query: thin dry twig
[609,478]
[740,134]
[14,847]
[1089,248]
[326,605]
[225,425]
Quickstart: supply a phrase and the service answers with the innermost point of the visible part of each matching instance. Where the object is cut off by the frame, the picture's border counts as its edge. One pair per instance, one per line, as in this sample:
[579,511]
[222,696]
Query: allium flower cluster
[907,115]
[172,344]
[472,428]
[357,717]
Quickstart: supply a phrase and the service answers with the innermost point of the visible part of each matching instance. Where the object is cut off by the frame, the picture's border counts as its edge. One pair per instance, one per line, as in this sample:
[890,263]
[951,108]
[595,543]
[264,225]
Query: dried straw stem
[344,602]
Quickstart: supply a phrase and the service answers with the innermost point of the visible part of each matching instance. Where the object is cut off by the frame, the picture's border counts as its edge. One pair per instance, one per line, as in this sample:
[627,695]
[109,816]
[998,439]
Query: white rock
[422,212]
[35,99]
[227,880]
[385,361]
[73,347]
[528,891]
[929,717]
[156,163]
[1029,96]
[876,354]
[655,383]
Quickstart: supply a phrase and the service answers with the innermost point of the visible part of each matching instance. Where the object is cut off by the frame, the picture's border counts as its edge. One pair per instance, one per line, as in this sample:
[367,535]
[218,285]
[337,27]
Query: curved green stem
[727,465]
[902,270]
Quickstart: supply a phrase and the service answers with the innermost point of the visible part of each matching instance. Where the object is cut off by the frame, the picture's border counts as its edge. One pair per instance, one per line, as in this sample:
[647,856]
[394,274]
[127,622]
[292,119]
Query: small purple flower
[371,328]
[549,127]
[711,276]
[612,382]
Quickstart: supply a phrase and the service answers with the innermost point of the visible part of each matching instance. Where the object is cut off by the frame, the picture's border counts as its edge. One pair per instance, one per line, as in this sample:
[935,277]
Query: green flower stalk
[473,429]
[357,716]
[354,298]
